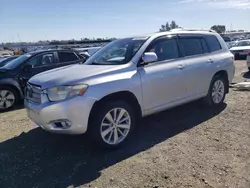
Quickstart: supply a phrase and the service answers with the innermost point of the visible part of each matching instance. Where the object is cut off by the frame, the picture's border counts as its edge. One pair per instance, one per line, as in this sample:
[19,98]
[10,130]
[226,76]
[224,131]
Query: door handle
[210,61]
[180,67]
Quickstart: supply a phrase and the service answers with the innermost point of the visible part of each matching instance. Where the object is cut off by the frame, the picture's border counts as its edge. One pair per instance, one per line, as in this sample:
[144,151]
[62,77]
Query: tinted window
[42,60]
[191,46]
[204,45]
[213,43]
[67,57]
[165,49]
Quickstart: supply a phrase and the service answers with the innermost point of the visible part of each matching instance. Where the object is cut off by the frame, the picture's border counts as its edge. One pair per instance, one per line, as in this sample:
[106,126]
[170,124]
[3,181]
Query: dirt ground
[188,146]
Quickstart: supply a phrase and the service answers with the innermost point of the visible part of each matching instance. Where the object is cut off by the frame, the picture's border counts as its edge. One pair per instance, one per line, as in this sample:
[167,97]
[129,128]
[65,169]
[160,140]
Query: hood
[3,69]
[240,48]
[71,74]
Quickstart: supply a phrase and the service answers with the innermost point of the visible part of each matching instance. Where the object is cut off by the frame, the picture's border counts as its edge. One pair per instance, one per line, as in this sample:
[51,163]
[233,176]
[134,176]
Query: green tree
[173,25]
[168,27]
[219,28]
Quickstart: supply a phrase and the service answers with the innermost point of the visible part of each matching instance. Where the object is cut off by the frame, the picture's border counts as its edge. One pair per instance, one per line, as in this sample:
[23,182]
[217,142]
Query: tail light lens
[248,53]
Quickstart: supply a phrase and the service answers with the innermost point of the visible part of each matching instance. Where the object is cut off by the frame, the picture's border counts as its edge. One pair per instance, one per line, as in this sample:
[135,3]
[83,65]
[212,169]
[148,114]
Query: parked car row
[16,71]
[126,80]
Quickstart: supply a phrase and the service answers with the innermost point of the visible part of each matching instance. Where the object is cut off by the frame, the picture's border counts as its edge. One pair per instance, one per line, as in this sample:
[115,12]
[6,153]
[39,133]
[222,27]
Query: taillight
[248,53]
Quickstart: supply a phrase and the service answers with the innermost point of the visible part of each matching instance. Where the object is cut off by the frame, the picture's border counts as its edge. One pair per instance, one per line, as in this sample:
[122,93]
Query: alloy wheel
[115,126]
[7,99]
[218,91]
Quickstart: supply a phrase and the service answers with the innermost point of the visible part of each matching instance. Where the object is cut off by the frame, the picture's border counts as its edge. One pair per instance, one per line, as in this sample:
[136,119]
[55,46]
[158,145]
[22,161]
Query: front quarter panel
[124,81]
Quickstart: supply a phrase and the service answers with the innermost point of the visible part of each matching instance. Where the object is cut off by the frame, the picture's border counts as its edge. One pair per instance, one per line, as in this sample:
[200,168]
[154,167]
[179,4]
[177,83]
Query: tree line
[173,25]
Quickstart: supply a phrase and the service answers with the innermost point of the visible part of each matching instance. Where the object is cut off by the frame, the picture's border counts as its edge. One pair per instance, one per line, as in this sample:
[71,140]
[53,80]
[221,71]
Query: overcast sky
[30,20]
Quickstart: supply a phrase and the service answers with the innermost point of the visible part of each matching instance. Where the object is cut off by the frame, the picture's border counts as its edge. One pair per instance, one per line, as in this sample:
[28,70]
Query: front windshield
[243,43]
[2,60]
[117,52]
[6,60]
[16,62]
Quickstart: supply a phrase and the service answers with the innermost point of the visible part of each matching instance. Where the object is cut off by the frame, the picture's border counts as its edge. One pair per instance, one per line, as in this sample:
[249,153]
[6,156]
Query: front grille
[33,93]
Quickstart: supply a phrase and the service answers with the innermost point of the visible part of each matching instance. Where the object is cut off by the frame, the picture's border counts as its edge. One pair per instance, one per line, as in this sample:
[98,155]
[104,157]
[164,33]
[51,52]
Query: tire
[214,98]
[99,125]
[8,98]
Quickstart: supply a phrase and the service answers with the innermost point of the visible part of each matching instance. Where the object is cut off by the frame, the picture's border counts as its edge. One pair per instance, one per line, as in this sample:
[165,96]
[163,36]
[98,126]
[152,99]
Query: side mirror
[149,57]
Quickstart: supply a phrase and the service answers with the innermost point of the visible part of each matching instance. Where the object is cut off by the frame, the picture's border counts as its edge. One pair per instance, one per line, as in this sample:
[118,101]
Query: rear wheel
[112,124]
[217,91]
[8,97]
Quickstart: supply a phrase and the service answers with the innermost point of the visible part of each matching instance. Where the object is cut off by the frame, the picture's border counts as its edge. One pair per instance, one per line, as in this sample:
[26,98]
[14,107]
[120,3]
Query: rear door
[39,63]
[67,58]
[198,61]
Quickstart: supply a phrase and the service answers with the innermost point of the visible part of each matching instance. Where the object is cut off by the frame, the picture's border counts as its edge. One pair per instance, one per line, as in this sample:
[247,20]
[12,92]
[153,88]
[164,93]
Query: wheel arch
[13,84]
[224,74]
[126,96]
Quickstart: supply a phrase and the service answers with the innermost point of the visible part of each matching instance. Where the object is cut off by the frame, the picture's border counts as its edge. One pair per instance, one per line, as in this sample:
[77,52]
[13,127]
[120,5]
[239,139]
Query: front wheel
[217,91]
[112,124]
[8,97]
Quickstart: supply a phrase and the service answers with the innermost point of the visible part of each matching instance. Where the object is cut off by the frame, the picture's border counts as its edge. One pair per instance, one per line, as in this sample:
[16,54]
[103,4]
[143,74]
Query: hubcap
[115,126]
[218,91]
[7,99]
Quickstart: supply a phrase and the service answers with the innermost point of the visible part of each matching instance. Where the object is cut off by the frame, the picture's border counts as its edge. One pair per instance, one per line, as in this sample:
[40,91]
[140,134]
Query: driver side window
[42,60]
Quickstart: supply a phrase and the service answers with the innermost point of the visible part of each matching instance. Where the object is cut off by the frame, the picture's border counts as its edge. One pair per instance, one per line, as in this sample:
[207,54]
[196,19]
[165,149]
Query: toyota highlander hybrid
[128,79]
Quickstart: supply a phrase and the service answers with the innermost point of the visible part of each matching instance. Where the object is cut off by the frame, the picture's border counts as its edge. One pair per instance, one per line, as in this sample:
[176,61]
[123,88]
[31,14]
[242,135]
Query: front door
[163,82]
[37,64]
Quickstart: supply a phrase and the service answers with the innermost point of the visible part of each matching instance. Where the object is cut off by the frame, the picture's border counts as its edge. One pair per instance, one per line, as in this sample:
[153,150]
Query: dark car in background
[15,74]
[4,61]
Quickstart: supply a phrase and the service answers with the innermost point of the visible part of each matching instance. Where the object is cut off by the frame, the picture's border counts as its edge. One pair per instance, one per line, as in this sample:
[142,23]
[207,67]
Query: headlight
[64,92]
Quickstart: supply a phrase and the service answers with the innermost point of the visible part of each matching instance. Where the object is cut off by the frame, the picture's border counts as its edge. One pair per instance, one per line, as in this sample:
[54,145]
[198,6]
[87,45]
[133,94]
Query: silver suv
[128,79]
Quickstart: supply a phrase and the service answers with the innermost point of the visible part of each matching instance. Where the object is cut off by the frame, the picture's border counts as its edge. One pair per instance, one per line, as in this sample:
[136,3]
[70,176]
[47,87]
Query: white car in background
[248,61]
[241,49]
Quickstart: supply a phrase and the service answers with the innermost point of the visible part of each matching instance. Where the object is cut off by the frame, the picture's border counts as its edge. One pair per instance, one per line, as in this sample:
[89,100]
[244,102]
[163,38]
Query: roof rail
[193,29]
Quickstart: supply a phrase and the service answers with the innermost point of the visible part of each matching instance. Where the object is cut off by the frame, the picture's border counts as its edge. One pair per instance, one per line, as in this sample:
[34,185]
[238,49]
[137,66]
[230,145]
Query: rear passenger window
[165,49]
[204,46]
[67,57]
[213,43]
[191,46]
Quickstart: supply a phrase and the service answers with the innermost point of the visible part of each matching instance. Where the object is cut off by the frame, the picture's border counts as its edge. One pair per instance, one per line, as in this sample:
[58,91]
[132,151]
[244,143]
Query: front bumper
[75,110]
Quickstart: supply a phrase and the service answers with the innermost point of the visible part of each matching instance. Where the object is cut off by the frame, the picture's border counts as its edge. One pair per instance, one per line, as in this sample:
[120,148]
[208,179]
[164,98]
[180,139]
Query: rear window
[213,43]
[67,57]
[204,46]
